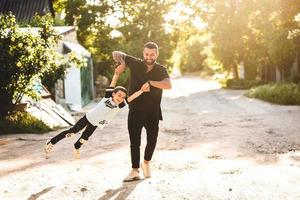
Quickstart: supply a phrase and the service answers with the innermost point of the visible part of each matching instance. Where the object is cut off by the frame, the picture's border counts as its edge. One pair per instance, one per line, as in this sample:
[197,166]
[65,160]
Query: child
[100,115]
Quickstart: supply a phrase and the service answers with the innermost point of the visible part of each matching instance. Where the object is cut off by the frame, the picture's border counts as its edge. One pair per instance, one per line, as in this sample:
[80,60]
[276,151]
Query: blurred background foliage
[243,40]
[193,35]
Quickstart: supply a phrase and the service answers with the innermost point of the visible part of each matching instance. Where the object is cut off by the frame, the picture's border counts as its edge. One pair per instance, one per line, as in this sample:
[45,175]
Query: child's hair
[120,88]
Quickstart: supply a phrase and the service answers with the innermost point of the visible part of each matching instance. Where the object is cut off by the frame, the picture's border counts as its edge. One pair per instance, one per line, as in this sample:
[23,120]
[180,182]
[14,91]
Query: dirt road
[213,144]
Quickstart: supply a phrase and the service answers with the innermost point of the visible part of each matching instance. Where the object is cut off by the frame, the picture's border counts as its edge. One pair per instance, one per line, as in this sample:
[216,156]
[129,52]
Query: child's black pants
[83,122]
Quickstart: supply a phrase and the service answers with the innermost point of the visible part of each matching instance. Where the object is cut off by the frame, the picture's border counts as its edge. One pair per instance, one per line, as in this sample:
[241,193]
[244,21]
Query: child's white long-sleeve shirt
[104,111]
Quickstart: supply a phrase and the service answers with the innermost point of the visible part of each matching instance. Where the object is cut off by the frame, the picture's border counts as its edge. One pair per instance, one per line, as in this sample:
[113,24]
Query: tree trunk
[235,71]
[278,74]
[6,104]
[297,63]
[271,73]
[3,108]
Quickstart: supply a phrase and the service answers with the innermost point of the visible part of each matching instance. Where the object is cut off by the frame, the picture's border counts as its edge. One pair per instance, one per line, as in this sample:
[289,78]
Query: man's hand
[145,87]
[163,84]
[119,57]
[120,69]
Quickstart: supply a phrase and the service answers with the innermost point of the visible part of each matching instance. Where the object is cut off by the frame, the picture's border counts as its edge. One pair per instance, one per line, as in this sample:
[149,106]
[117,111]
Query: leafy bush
[25,57]
[242,83]
[22,122]
[278,93]
[295,78]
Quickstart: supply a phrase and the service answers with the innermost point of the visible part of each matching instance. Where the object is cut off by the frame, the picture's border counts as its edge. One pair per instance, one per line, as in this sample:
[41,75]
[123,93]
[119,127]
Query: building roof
[77,48]
[24,10]
[61,30]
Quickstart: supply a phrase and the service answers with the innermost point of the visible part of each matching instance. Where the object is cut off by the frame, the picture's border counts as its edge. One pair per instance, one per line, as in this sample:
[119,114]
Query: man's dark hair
[120,88]
[151,45]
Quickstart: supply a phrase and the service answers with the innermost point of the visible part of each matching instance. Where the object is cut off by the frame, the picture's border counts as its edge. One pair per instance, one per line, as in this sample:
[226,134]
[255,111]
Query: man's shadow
[122,192]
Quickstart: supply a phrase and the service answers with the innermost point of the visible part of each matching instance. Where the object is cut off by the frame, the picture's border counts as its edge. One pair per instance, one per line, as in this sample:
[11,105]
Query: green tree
[252,32]
[93,30]
[139,22]
[228,24]
[193,54]
[143,21]
[271,24]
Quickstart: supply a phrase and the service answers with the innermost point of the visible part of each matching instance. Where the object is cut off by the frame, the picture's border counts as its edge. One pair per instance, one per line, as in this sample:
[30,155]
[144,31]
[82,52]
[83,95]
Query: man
[144,111]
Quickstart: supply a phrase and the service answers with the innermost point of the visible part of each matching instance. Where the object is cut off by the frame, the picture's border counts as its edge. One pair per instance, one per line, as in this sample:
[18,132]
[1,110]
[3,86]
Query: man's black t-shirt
[149,102]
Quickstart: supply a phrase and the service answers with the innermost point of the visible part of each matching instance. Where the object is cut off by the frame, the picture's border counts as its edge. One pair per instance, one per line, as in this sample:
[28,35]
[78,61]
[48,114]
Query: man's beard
[149,62]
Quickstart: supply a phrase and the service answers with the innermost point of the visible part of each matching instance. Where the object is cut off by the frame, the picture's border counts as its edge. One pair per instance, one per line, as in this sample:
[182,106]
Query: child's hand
[120,69]
[145,87]
[116,73]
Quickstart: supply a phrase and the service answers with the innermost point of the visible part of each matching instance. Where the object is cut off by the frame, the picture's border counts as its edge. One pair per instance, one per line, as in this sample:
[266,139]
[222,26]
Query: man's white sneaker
[146,170]
[132,176]
[77,153]
[48,147]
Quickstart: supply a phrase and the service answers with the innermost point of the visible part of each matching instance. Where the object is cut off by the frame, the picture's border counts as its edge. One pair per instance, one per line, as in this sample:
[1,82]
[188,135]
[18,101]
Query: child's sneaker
[69,135]
[82,141]
[77,153]
[48,147]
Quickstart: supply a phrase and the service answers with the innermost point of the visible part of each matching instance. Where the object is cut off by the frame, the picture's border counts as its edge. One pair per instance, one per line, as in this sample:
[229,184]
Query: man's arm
[119,57]
[163,84]
[126,61]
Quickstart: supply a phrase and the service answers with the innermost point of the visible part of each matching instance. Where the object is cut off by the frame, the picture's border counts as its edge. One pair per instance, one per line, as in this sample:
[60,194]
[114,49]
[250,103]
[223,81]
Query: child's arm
[137,94]
[114,80]
[134,95]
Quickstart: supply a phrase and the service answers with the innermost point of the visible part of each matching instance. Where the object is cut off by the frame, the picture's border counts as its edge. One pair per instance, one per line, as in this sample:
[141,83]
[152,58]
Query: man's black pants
[136,121]
[83,122]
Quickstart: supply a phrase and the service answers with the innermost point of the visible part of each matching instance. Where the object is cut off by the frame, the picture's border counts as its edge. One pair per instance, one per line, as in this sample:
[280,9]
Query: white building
[77,89]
